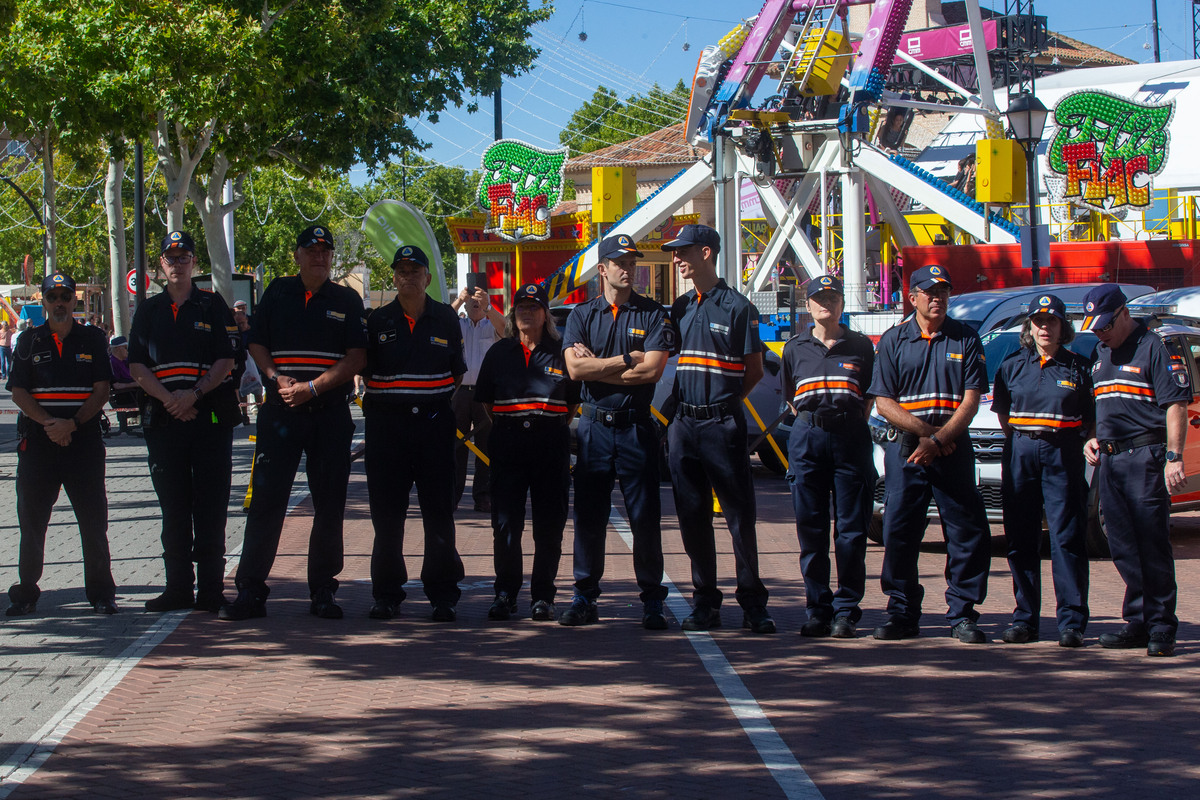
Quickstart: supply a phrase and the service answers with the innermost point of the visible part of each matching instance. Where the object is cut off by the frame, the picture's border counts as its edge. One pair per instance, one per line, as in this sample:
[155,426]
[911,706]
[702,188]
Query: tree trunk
[212,210]
[49,213]
[178,174]
[118,264]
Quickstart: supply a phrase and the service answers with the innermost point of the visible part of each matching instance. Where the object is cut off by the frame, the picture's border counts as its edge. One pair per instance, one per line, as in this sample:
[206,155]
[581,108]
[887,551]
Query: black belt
[832,421]
[1051,436]
[614,416]
[713,411]
[1114,446]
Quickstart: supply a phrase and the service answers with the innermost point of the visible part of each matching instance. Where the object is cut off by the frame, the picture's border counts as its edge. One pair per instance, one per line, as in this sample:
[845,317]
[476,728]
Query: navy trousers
[628,454]
[1045,474]
[406,446]
[1137,510]
[832,467]
[950,480]
[709,456]
[285,434]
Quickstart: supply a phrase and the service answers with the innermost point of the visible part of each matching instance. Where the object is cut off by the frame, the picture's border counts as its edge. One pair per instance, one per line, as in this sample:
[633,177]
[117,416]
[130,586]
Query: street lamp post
[1027,120]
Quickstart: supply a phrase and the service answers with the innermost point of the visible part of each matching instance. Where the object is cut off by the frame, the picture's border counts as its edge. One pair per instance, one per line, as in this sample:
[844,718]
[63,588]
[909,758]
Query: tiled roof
[664,146]
[1074,53]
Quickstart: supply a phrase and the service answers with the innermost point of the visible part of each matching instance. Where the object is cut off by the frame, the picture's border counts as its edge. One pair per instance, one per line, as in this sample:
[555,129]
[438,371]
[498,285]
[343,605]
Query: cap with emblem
[1048,304]
[695,234]
[927,277]
[824,283]
[178,240]
[315,234]
[534,292]
[57,281]
[1101,305]
[410,252]
[617,246]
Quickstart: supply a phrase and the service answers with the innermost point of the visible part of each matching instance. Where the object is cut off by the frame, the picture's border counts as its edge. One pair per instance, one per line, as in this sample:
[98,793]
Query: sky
[630,45]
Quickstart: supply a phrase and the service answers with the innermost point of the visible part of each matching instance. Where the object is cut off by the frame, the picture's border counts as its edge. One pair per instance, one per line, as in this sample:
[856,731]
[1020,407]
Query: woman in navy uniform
[1043,398]
[826,370]
[182,349]
[524,383]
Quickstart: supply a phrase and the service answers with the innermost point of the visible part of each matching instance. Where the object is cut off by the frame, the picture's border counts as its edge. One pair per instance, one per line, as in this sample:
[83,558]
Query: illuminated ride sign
[520,185]
[1108,148]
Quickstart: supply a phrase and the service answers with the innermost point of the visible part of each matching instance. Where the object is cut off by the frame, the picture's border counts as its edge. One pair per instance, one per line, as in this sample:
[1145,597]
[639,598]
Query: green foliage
[605,120]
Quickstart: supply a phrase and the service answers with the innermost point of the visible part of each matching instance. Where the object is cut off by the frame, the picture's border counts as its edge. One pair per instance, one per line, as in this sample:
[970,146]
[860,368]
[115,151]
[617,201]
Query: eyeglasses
[60,297]
[941,292]
[183,259]
[1111,322]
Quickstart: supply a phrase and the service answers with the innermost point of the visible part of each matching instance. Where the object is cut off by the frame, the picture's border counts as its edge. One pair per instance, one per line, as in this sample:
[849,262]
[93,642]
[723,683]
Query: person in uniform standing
[930,374]
[414,362]
[720,361]
[59,380]
[479,330]
[1043,399]
[182,348]
[825,371]
[308,339]
[524,383]
[1142,391]
[617,345]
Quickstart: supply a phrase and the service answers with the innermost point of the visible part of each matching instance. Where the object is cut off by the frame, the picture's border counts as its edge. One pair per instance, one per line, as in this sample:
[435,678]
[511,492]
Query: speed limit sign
[131,281]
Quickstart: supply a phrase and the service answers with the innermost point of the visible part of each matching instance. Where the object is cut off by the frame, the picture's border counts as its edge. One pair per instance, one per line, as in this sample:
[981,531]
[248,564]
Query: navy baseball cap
[925,277]
[57,281]
[315,234]
[410,252]
[1048,304]
[824,283]
[617,246]
[178,239]
[119,341]
[534,292]
[1101,305]
[695,234]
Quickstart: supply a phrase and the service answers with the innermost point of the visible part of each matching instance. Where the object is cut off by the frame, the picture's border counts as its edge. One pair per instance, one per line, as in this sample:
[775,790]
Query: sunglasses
[60,297]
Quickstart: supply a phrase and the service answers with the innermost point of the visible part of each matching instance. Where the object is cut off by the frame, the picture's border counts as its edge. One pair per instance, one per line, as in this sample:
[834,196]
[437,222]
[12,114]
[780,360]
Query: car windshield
[998,345]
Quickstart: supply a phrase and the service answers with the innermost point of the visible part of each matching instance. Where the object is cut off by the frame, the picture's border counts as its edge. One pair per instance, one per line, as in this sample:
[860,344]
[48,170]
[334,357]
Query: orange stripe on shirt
[934,403]
[514,407]
[710,362]
[1045,423]
[1132,388]
[307,361]
[410,384]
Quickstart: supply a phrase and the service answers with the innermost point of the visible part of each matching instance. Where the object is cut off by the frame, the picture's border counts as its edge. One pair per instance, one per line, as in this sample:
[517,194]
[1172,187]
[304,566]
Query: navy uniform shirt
[413,361]
[309,332]
[520,383]
[1053,394]
[929,377]
[179,344]
[607,330]
[61,374]
[1135,383]
[717,330]
[828,380]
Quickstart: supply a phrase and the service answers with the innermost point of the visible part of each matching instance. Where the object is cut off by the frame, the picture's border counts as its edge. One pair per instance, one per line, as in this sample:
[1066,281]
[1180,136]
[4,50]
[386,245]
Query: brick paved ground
[291,706]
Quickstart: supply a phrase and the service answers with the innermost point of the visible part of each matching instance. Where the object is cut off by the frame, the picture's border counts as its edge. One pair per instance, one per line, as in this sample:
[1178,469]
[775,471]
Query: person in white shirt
[481,326]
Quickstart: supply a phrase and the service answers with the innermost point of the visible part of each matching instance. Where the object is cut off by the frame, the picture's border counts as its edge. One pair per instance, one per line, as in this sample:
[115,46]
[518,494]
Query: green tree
[605,120]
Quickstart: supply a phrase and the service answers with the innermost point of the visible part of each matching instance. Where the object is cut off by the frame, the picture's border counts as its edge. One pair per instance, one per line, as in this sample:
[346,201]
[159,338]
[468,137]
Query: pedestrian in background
[479,328]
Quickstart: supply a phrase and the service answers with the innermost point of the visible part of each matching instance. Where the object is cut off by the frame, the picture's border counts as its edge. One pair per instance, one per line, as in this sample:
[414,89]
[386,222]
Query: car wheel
[875,529]
[771,461]
[1097,534]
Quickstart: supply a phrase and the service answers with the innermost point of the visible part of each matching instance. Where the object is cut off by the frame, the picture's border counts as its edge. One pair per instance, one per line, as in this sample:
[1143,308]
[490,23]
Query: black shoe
[968,632]
[247,605]
[702,618]
[444,612]
[758,620]
[1125,638]
[1019,633]
[1071,637]
[323,606]
[484,506]
[503,607]
[1161,644]
[581,612]
[171,601]
[542,611]
[653,618]
[897,628]
[384,609]
[844,628]
[21,609]
[107,606]
[816,628]
[209,601]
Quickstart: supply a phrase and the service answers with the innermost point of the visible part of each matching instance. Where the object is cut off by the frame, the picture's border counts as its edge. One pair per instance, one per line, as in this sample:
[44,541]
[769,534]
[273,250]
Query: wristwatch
[1173,456]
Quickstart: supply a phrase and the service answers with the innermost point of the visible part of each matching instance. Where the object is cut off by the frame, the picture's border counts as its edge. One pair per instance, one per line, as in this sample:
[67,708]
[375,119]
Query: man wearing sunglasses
[929,376]
[1142,391]
[59,381]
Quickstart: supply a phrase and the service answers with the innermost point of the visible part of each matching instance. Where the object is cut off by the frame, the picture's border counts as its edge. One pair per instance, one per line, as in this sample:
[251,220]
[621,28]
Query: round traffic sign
[131,281]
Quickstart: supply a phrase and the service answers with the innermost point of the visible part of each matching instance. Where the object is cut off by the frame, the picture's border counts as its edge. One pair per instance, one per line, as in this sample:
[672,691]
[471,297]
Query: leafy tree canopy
[606,120]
